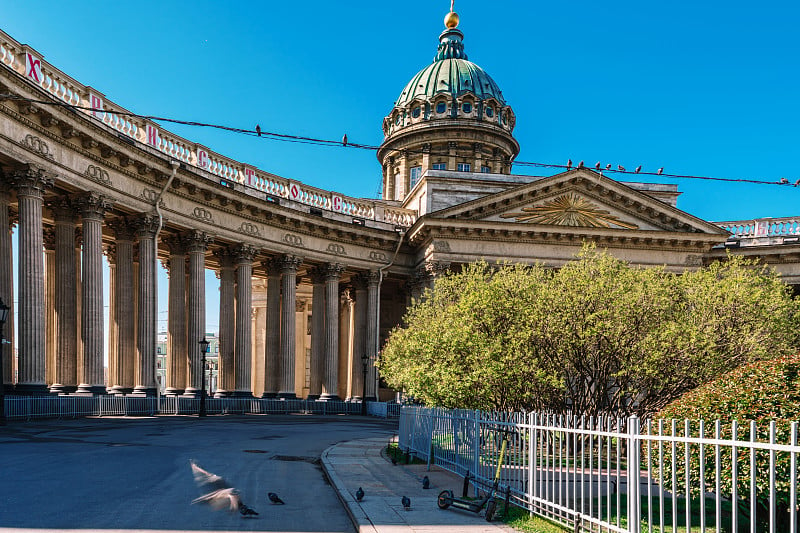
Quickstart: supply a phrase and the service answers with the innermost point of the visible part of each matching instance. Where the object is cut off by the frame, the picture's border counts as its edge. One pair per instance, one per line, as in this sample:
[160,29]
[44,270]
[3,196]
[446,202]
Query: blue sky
[701,88]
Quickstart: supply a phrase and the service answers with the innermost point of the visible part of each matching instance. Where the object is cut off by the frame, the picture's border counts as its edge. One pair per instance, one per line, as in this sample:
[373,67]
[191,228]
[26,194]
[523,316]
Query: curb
[354,510]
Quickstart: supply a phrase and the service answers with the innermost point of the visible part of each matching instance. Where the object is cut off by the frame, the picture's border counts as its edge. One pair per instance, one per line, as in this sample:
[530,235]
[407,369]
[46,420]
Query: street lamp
[203,350]
[4,309]
[365,361]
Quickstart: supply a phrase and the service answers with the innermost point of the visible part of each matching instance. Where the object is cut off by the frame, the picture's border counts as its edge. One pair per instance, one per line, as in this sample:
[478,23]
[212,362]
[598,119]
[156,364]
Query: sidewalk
[360,463]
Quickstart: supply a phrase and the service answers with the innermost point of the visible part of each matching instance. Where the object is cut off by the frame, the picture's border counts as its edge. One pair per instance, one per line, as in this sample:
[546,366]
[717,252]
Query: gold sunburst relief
[569,210]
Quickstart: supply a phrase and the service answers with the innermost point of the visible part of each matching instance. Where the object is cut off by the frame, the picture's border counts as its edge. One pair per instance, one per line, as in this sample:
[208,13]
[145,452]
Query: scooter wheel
[445,499]
[491,507]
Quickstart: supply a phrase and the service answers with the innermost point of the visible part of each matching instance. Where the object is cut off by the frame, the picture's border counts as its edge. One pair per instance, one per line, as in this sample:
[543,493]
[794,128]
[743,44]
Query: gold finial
[451,19]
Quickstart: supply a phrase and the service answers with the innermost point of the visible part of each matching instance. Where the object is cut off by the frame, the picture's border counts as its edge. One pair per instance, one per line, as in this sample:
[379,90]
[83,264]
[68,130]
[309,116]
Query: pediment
[579,198]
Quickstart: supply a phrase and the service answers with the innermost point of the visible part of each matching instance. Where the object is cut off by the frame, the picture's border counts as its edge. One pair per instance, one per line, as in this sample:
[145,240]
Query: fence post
[634,503]
[476,442]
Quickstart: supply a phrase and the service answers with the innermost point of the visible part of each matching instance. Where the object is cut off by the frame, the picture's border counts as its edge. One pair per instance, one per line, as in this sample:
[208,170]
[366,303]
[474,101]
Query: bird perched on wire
[580,165]
[359,494]
[638,169]
[344,140]
[608,166]
[784,181]
[660,171]
[621,168]
[406,501]
[426,482]
[569,164]
[221,495]
[258,130]
[274,498]
[796,183]
[597,165]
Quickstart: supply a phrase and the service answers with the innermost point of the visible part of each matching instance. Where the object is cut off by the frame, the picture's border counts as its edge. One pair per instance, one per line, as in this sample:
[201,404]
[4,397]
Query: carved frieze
[248,228]
[36,145]
[337,249]
[201,213]
[378,256]
[97,174]
[293,240]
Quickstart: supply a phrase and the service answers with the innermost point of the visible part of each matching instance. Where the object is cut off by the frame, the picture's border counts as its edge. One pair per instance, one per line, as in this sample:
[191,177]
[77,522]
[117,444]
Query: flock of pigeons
[221,495]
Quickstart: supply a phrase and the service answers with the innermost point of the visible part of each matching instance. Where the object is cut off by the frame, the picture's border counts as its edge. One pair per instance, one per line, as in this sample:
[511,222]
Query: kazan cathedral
[311,282]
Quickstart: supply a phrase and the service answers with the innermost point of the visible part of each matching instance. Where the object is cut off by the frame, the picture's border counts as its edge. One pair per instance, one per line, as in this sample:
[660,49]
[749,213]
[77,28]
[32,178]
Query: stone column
[272,336]
[197,242]
[122,317]
[452,147]
[31,183]
[426,157]
[65,378]
[7,280]
[227,324]
[289,266]
[49,240]
[373,294]
[177,361]
[359,335]
[243,348]
[113,370]
[330,383]
[317,333]
[346,341]
[92,207]
[147,317]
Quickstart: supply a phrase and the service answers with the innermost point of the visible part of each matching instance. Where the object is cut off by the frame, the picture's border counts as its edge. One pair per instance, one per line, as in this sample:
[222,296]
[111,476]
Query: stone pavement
[363,463]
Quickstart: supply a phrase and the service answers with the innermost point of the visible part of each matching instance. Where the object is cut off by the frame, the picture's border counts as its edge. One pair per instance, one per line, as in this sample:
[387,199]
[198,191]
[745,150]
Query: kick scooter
[446,498]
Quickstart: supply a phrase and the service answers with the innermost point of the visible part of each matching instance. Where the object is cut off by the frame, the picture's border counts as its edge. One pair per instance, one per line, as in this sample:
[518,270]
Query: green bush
[762,392]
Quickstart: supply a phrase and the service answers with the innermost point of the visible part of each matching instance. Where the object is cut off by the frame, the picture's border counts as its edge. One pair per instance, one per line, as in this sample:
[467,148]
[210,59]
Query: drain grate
[256,451]
[312,460]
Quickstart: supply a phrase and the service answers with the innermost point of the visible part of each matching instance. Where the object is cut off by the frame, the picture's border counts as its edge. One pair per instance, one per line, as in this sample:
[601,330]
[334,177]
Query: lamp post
[203,351]
[365,361]
[3,317]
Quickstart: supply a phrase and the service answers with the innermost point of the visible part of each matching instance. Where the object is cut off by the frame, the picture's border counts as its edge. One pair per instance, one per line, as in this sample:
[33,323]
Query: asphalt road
[134,474]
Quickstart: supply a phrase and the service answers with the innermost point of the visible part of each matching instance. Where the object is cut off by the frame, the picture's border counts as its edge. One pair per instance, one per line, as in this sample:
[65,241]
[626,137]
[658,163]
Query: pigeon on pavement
[406,503]
[426,482]
[220,494]
[274,498]
[359,494]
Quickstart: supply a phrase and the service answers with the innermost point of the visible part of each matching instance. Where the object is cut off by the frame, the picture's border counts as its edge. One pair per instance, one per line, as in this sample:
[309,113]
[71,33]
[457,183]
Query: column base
[313,397]
[223,394]
[191,392]
[85,389]
[269,395]
[143,391]
[58,388]
[29,389]
[173,392]
[329,398]
[116,390]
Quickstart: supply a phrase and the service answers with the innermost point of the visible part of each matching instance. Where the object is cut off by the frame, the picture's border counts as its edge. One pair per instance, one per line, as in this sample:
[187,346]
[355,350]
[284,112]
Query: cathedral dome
[451,73]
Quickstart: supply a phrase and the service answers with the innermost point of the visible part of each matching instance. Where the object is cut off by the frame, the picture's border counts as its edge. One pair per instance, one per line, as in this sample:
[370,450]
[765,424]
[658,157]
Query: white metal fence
[621,475]
[33,407]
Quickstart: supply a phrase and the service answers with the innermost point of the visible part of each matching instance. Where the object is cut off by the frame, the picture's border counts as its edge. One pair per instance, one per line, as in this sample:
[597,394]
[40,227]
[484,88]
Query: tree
[596,336]
[763,392]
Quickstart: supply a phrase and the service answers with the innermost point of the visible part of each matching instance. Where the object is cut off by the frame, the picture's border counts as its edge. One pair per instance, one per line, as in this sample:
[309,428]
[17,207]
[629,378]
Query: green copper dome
[452,74]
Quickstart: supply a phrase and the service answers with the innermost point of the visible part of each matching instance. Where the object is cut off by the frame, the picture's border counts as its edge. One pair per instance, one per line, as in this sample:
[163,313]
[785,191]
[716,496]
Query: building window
[397,120]
[439,166]
[441,107]
[466,107]
[415,112]
[486,170]
[489,112]
[464,167]
[416,174]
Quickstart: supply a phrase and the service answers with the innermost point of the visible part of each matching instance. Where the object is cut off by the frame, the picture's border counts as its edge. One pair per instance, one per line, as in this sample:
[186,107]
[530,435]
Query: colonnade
[61,341]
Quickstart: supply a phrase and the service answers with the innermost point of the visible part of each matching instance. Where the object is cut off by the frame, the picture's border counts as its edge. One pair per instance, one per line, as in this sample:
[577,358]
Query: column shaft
[272,336]
[31,353]
[177,362]
[317,333]
[371,347]
[289,266]
[227,324]
[197,242]
[359,336]
[92,379]
[146,323]
[6,282]
[243,349]
[330,383]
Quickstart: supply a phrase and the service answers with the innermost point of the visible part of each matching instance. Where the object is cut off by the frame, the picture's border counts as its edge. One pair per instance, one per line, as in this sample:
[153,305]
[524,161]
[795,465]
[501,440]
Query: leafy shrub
[762,392]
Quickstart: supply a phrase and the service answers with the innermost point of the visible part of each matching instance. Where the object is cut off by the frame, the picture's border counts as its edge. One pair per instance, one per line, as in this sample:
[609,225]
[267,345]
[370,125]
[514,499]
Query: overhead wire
[284,137]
